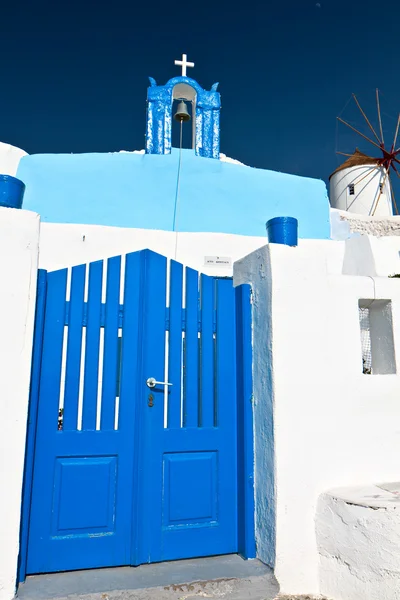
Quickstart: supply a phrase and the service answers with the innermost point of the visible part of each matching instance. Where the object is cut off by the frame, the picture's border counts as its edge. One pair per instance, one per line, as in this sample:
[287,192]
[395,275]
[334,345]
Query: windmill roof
[355,160]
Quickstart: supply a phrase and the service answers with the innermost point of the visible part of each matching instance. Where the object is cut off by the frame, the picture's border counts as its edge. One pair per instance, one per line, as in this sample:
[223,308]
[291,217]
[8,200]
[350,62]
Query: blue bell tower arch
[159,117]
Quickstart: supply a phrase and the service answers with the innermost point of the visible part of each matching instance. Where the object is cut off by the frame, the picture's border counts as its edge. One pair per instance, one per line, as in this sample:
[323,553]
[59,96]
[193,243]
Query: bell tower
[206,106]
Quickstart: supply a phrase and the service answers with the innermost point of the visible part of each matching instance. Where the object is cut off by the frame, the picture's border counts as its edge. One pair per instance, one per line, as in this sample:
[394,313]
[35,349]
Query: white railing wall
[19,245]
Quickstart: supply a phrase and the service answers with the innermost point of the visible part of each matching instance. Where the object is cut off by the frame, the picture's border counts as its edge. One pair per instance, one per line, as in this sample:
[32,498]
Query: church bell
[182,113]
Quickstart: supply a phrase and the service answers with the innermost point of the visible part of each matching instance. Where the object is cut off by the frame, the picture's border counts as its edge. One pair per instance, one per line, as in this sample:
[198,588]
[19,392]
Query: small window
[351,189]
[377,344]
[381,187]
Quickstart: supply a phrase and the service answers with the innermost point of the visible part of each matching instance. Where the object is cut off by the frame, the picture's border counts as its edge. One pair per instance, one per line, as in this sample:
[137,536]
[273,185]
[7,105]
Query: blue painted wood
[91,379]
[207,351]
[226,398]
[191,385]
[132,398]
[146,492]
[50,379]
[195,476]
[152,426]
[81,515]
[225,358]
[89,505]
[74,348]
[175,345]
[110,344]
[32,421]
[102,313]
[190,474]
[199,532]
[245,452]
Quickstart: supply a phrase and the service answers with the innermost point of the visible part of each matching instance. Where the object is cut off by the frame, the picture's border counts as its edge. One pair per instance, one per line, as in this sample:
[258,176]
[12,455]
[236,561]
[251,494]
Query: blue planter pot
[282,230]
[11,192]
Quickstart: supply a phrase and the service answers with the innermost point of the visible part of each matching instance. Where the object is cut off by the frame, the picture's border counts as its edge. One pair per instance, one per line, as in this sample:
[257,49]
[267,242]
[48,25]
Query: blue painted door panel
[125,474]
[189,436]
[82,492]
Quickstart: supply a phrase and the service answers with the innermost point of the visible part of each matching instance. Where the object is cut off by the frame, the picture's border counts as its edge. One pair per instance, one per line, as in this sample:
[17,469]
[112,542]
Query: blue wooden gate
[142,422]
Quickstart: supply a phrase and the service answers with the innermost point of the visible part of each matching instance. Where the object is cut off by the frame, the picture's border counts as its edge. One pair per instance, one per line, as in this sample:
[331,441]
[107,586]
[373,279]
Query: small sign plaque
[217,261]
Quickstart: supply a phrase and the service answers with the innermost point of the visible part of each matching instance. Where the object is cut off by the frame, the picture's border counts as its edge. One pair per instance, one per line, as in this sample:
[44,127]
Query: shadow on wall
[358,257]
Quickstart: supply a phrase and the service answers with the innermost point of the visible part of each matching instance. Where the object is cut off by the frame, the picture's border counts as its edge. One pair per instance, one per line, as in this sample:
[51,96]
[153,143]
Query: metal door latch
[151,382]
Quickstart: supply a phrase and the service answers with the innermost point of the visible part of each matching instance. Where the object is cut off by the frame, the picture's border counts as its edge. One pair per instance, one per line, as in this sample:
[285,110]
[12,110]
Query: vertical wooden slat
[32,420]
[53,337]
[49,394]
[73,364]
[191,391]
[132,399]
[110,361]
[131,340]
[175,346]
[225,369]
[246,533]
[207,351]
[152,427]
[91,380]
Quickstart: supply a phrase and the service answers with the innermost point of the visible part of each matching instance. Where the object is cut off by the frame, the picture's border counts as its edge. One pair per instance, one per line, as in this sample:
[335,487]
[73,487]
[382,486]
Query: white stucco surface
[320,423]
[63,245]
[19,240]
[9,159]
[367,198]
[358,537]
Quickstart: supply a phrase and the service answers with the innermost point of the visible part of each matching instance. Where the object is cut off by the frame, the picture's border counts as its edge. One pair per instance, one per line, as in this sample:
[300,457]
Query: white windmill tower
[362,184]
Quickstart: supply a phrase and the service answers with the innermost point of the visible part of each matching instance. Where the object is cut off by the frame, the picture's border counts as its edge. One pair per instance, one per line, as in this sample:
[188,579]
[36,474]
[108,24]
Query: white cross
[184,63]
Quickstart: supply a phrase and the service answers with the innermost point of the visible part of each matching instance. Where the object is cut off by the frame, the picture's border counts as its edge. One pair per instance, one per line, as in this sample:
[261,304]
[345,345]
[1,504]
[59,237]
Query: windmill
[363,183]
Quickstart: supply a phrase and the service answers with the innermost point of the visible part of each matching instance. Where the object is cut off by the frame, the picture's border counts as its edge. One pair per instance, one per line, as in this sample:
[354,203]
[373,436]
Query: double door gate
[140,438]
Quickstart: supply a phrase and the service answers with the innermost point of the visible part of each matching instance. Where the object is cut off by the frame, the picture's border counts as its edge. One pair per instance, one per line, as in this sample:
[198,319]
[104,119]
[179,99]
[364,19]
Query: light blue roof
[138,190]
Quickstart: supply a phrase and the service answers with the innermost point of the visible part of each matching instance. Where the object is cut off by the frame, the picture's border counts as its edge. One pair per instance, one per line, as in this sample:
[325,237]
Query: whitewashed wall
[320,422]
[64,245]
[358,537]
[19,242]
[9,159]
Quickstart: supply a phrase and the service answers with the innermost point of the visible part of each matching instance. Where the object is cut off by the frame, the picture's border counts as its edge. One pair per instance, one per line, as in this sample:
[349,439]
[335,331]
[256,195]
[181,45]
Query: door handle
[151,382]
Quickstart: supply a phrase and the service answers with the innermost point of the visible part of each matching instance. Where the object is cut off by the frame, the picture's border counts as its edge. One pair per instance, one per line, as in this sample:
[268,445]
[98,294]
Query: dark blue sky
[74,75]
